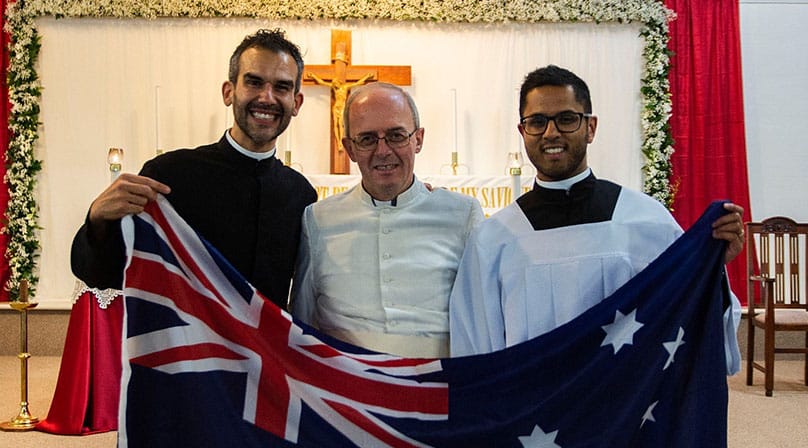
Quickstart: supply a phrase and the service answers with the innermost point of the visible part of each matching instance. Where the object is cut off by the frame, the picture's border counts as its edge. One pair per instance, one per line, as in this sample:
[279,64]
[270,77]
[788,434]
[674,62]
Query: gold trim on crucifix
[340,77]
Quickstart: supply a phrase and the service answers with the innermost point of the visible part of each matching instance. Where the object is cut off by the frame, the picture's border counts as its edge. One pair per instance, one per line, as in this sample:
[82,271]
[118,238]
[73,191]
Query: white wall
[774,46]
[99,78]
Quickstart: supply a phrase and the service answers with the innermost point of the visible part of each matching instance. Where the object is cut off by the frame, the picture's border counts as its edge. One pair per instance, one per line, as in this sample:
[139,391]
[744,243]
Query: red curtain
[5,108]
[709,161]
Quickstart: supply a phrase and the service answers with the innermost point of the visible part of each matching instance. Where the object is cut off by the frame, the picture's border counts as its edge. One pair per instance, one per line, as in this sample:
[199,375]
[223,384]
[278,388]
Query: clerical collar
[247,152]
[392,202]
[406,196]
[565,184]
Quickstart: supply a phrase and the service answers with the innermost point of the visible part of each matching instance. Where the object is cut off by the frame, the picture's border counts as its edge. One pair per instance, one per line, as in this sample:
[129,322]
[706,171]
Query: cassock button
[386,256]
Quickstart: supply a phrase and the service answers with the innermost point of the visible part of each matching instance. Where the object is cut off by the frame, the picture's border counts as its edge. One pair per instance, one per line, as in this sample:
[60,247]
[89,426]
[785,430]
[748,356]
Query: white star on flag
[539,439]
[672,346]
[621,331]
[649,414]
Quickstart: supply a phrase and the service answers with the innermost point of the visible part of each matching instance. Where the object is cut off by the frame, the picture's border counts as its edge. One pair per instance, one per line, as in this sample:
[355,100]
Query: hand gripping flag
[209,362]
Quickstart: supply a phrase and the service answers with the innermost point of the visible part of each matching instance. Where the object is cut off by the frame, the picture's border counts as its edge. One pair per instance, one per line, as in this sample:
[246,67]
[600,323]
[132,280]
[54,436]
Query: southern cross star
[539,439]
[672,346]
[649,414]
[621,331]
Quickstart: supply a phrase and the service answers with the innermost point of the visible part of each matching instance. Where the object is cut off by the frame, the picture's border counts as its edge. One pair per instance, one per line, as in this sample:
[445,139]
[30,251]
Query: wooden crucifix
[340,77]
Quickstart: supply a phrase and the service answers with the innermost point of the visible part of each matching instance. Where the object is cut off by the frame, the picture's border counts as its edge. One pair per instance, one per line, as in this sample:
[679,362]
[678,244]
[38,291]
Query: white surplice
[515,283]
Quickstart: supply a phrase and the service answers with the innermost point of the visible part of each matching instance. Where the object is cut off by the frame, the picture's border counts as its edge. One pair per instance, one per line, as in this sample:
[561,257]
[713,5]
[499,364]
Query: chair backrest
[776,248]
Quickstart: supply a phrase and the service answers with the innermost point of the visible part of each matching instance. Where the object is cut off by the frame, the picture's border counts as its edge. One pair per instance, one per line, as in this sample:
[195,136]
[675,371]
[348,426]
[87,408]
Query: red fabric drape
[86,396]
[5,108]
[708,119]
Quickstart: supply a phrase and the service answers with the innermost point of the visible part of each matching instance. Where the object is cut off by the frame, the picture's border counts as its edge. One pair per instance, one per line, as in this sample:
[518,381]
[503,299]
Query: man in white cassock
[376,264]
[568,243]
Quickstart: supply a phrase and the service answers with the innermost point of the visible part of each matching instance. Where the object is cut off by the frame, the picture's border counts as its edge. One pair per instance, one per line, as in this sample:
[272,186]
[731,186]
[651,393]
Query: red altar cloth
[87,391]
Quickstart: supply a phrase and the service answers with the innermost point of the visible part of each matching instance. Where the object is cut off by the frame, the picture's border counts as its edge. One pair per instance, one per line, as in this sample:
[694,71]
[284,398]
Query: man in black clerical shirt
[234,192]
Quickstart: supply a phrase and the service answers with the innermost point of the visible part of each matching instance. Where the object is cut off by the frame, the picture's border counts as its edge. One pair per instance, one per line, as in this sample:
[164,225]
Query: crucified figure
[340,88]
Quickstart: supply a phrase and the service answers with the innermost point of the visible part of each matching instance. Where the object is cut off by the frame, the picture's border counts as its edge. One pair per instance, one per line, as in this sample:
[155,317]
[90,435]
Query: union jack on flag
[209,362]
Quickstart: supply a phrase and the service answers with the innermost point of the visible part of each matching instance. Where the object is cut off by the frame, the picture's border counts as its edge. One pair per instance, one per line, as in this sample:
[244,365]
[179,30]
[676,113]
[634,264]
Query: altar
[493,192]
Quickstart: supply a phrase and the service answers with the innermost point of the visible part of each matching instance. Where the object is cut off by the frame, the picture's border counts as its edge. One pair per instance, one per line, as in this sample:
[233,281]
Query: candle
[115,161]
[157,146]
[454,121]
[515,107]
[515,171]
[287,146]
[23,294]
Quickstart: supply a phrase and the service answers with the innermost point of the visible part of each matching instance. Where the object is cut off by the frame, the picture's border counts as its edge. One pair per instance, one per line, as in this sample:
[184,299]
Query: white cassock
[515,282]
[378,274]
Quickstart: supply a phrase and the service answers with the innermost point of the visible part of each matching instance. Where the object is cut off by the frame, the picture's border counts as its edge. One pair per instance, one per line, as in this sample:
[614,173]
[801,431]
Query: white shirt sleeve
[303,298]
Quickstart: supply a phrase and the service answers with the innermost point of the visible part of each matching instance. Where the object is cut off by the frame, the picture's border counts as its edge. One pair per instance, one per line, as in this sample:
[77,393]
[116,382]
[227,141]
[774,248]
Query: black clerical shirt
[248,209]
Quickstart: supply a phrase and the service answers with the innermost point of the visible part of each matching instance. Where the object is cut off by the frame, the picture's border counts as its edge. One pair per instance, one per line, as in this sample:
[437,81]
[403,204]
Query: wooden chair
[777,273]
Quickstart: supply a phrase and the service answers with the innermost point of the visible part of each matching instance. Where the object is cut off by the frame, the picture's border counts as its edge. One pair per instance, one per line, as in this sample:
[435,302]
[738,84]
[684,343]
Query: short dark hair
[555,76]
[273,40]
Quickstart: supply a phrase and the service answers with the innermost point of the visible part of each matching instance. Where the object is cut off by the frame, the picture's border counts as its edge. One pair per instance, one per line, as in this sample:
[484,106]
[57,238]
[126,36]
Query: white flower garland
[24,87]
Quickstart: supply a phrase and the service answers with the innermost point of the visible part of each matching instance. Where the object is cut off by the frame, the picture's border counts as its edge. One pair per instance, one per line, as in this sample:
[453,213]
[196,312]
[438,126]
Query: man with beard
[569,243]
[234,192]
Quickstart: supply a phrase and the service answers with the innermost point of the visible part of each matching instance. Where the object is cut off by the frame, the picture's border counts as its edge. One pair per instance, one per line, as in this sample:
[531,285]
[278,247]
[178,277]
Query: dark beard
[241,118]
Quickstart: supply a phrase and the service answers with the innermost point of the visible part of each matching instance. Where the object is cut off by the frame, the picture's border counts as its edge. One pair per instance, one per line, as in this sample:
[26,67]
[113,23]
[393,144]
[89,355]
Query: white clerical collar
[565,184]
[403,198]
[247,152]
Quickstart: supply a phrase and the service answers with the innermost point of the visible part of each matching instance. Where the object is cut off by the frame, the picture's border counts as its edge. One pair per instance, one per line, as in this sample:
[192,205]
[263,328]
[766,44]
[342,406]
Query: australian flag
[209,362]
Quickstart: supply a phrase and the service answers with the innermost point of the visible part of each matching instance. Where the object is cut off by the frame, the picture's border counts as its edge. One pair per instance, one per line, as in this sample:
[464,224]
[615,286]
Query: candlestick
[24,421]
[454,165]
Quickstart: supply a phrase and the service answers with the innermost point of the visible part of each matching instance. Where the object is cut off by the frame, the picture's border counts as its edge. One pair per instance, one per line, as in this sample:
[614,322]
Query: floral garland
[24,87]
[24,90]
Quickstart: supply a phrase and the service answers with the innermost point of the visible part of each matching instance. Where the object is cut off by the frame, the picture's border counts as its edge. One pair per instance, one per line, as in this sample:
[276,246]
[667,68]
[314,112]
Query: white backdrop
[100,78]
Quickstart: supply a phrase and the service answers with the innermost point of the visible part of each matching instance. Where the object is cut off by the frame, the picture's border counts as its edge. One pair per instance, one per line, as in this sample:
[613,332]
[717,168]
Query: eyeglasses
[565,122]
[395,139]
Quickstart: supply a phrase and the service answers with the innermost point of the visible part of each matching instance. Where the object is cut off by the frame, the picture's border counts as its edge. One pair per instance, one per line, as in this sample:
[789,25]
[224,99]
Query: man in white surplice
[571,241]
[377,263]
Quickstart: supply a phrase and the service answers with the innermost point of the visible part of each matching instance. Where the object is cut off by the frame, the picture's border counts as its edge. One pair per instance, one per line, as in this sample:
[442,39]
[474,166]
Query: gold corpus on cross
[340,77]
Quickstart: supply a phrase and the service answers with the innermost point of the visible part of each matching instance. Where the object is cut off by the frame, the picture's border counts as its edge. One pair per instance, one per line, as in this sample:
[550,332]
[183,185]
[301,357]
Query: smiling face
[378,110]
[557,155]
[263,98]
